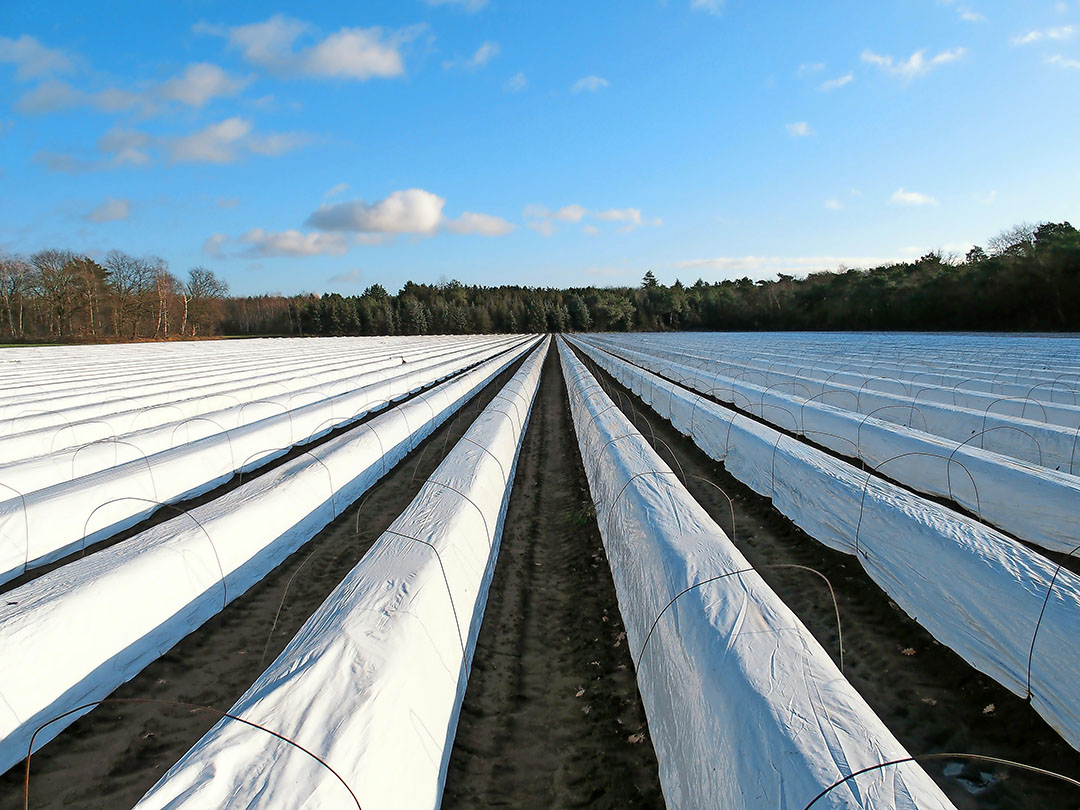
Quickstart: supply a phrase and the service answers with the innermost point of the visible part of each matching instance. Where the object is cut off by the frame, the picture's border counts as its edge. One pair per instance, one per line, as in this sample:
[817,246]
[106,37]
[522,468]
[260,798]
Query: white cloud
[806,68]
[110,210]
[127,147]
[212,245]
[800,129]
[49,97]
[833,204]
[411,211]
[293,243]
[32,59]
[1062,33]
[967,15]
[589,84]
[62,162]
[469,6]
[277,143]
[901,197]
[479,224]
[542,219]
[350,53]
[569,213]
[230,202]
[517,83]
[544,227]
[352,277]
[199,83]
[986,199]
[1063,62]
[217,143]
[915,65]
[484,54]
[766,267]
[334,191]
[590,230]
[710,6]
[839,81]
[223,142]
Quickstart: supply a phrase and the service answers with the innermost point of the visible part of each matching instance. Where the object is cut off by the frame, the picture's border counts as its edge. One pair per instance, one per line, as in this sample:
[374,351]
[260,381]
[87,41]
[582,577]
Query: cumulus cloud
[589,84]
[265,243]
[411,211]
[915,65]
[800,129]
[1061,33]
[110,210]
[901,197]
[479,224]
[33,60]
[350,53]
[838,82]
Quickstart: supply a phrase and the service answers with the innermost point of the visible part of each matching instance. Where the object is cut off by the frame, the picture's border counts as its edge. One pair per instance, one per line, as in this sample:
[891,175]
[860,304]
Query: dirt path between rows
[112,756]
[929,697]
[552,717]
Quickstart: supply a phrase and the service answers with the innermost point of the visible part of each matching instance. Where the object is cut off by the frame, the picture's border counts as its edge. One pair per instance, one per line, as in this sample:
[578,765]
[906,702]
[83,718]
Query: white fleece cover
[975,590]
[846,385]
[1030,438]
[745,708]
[76,633]
[1032,502]
[79,402]
[373,681]
[49,523]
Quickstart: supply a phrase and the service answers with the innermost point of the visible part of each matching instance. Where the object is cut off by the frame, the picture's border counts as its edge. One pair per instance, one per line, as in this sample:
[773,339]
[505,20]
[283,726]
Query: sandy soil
[112,756]
[930,698]
[552,715]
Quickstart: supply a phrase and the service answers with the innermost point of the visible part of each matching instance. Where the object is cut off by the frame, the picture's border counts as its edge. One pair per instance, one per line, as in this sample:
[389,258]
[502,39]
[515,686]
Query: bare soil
[552,716]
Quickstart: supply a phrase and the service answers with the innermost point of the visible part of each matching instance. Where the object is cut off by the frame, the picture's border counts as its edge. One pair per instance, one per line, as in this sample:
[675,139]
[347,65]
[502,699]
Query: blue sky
[328,146]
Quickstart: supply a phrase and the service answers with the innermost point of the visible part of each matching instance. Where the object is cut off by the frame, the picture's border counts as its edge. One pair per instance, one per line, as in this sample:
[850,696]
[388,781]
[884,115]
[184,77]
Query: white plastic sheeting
[179,378]
[227,398]
[373,681]
[74,634]
[49,523]
[1028,438]
[1032,502]
[975,590]
[745,708]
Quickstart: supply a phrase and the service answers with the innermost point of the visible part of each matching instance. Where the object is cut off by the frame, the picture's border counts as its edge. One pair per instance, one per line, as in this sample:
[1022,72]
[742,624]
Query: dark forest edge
[1026,279]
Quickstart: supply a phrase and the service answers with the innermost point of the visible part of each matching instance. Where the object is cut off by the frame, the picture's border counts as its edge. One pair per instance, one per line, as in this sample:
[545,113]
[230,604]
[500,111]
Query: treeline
[60,295]
[1026,279]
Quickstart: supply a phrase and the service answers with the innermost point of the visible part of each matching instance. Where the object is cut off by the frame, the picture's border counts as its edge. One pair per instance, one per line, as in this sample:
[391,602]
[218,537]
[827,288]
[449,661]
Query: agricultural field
[604,570]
